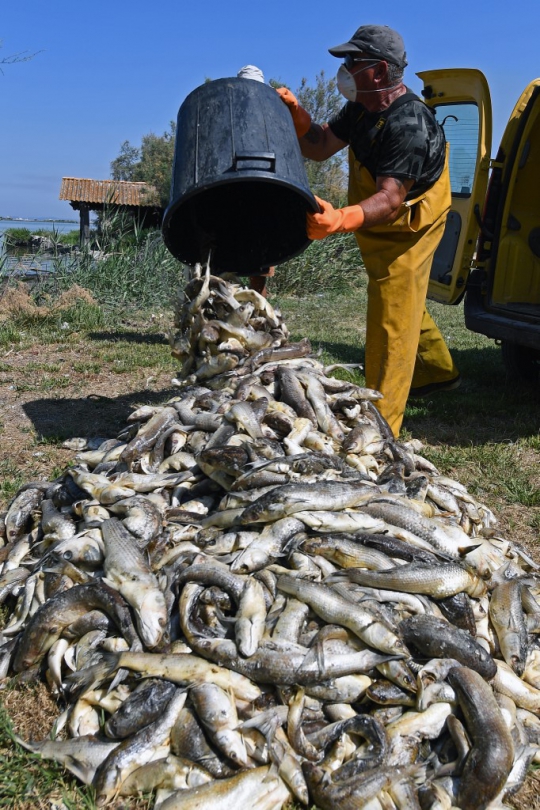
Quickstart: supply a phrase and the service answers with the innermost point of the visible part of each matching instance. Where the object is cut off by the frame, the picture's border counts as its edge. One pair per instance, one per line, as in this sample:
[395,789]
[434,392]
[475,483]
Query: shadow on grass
[129,337]
[89,416]
[343,352]
[488,406]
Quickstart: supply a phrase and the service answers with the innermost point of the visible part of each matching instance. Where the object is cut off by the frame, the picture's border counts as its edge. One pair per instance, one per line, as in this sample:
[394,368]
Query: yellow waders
[403,345]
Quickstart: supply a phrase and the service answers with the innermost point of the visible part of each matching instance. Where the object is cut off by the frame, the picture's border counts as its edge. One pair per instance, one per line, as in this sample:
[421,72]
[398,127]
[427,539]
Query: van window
[461,127]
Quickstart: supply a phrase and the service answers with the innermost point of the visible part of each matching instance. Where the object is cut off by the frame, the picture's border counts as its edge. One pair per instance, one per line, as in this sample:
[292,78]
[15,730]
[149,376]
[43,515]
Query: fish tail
[82,681]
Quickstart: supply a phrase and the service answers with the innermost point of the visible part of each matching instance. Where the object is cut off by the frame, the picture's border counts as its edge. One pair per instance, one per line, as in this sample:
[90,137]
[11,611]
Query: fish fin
[83,772]
[273,773]
[417,772]
[28,746]
[81,681]
[309,658]
[120,677]
[464,550]
[319,651]
[336,576]
[59,724]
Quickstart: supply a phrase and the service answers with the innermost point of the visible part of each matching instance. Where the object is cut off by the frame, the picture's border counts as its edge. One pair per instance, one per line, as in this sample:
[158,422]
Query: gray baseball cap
[378,40]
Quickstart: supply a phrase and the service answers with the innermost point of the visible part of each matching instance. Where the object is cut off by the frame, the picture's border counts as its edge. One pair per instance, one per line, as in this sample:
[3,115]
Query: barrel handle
[269,156]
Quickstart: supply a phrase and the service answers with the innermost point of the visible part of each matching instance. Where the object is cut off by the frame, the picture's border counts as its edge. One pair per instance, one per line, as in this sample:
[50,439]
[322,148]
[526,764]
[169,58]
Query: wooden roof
[108,192]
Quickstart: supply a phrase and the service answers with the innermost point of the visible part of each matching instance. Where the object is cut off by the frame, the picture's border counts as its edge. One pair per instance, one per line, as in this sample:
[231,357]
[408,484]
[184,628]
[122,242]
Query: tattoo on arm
[398,182]
[313,135]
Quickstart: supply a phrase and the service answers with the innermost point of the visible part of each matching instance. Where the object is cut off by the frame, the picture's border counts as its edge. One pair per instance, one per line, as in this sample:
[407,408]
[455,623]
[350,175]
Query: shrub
[328,264]
[14,235]
[137,275]
[70,238]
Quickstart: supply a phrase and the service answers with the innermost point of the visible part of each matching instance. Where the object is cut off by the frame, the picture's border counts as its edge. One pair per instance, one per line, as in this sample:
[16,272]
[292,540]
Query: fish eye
[67,555]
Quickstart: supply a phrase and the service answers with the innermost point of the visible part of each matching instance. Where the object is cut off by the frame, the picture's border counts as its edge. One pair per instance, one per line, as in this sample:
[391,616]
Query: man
[399,196]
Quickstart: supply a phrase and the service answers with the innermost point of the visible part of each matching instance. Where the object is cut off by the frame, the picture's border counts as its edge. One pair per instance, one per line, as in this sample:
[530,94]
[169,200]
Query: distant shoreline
[20,219]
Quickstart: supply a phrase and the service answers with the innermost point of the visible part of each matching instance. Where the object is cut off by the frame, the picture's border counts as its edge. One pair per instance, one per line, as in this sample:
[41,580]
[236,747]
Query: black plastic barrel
[239,188]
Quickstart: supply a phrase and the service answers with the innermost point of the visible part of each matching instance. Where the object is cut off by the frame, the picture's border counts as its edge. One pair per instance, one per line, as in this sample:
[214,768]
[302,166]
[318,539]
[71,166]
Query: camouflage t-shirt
[411,143]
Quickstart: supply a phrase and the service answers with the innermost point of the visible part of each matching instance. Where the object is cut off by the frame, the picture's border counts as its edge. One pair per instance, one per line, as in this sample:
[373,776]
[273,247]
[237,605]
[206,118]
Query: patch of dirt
[32,710]
[516,522]
[528,798]
[96,403]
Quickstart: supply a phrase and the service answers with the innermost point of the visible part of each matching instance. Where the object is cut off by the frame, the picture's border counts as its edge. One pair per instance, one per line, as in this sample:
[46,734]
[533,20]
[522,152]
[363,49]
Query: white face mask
[346,83]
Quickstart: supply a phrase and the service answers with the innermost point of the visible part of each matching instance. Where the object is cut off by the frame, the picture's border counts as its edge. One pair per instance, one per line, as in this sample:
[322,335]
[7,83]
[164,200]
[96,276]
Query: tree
[155,165]
[150,163]
[123,167]
[322,100]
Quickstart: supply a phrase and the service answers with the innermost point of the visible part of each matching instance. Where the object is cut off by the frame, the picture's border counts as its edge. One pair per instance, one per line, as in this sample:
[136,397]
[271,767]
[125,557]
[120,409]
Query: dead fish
[437,581]
[250,618]
[217,712]
[490,761]
[126,567]
[169,773]
[181,669]
[337,610]
[506,615]
[437,638]
[47,623]
[82,755]
[20,511]
[285,501]
[255,788]
[148,435]
[142,707]
[189,741]
[135,752]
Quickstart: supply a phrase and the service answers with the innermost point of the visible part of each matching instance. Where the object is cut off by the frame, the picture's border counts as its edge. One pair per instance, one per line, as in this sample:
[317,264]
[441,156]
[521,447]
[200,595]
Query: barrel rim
[173,207]
[228,180]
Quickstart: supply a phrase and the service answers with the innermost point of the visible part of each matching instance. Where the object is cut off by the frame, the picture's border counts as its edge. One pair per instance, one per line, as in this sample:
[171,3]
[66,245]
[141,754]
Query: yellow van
[490,251]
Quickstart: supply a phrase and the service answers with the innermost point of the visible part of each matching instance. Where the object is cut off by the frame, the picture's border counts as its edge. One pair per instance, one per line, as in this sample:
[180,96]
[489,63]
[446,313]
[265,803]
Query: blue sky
[116,70]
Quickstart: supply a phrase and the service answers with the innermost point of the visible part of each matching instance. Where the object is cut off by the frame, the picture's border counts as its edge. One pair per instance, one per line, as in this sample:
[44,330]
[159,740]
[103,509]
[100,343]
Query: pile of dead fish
[255,595]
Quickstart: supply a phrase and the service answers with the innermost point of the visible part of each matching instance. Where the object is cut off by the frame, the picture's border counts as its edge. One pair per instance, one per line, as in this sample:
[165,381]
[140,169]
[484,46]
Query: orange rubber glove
[333,220]
[301,118]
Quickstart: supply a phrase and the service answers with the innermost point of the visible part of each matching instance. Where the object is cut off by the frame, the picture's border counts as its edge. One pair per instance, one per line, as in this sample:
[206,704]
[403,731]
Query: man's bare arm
[384,206]
[320,143]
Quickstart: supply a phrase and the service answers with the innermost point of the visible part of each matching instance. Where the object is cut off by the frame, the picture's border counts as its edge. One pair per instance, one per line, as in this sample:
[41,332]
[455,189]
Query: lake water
[26,266]
[59,227]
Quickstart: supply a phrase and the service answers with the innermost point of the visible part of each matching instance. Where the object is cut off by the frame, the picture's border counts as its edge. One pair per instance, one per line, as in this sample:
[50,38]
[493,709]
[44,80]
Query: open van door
[503,294]
[462,103]
[514,256]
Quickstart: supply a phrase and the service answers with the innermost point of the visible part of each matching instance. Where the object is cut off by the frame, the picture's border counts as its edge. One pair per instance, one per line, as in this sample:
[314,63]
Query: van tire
[521,362]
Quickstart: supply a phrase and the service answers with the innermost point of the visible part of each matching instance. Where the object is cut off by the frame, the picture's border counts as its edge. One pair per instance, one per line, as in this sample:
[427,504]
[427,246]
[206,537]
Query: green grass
[327,264]
[10,334]
[11,478]
[69,238]
[124,270]
[26,778]
[12,235]
[135,276]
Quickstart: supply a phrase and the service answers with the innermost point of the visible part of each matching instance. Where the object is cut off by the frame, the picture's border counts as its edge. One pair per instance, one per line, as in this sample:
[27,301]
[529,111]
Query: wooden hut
[139,199]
